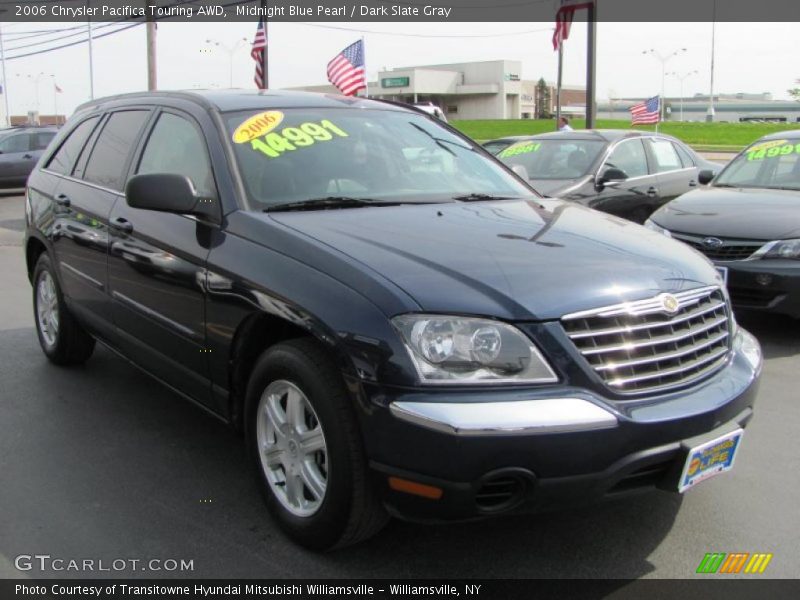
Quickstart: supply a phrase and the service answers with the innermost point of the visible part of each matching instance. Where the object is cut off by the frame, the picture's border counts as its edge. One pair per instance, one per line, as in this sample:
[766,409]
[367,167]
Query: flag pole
[264,61]
[366,77]
[558,82]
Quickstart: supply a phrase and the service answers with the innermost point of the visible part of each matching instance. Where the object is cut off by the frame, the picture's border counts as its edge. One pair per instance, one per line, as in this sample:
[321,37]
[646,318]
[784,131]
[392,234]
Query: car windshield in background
[383,156]
[553,158]
[773,164]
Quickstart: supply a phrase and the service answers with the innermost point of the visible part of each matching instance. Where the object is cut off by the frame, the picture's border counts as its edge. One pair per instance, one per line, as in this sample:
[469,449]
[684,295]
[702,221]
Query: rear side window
[63,160]
[15,143]
[665,155]
[113,146]
[39,141]
[686,158]
[176,146]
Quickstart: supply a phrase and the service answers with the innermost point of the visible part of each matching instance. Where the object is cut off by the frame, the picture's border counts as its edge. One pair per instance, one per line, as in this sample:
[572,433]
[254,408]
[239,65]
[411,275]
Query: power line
[94,37]
[56,39]
[426,35]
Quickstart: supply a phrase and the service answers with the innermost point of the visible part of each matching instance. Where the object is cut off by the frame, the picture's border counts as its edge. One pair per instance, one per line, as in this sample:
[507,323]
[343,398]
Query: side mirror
[610,176]
[705,176]
[168,192]
[521,172]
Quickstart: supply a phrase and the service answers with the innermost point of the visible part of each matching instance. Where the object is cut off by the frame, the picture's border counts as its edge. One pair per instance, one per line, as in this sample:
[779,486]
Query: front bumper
[485,462]
[769,284]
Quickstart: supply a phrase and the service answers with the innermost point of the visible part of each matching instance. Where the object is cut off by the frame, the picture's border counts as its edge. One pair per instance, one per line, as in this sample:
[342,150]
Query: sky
[750,57]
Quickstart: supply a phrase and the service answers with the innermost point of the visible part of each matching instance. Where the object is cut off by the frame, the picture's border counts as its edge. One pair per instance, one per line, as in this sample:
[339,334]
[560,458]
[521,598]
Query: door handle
[122,224]
[27,156]
[692,183]
[63,200]
[652,191]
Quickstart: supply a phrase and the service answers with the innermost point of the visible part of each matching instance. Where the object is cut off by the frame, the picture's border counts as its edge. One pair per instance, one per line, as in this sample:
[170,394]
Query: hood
[514,259]
[744,213]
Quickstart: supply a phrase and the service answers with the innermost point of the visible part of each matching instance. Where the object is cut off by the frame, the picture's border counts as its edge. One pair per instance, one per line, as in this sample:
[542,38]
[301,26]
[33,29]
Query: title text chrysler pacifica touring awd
[397,323]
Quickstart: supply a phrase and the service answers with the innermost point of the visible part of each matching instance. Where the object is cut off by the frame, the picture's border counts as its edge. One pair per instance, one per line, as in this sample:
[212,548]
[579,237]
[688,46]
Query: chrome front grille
[722,249]
[654,344]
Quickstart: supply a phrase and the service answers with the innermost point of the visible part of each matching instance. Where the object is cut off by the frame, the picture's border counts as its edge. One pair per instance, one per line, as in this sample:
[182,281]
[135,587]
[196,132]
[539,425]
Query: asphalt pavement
[102,463]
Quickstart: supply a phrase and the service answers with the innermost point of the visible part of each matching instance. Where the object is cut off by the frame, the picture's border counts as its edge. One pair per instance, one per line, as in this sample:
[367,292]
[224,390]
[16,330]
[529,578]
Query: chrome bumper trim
[551,415]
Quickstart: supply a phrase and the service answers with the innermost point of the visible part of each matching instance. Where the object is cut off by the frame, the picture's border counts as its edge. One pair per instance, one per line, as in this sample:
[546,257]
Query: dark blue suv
[396,322]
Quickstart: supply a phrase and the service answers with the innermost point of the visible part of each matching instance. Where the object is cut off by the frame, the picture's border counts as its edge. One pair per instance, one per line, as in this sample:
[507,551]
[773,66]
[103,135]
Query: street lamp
[681,78]
[663,59]
[231,51]
[35,81]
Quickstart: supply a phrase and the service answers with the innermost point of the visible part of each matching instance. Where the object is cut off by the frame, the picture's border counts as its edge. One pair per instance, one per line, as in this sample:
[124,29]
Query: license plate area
[710,459]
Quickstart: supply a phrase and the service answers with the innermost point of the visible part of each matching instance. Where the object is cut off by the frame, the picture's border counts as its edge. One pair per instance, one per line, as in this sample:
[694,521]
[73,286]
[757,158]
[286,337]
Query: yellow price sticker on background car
[257,125]
[781,148]
[523,149]
[273,143]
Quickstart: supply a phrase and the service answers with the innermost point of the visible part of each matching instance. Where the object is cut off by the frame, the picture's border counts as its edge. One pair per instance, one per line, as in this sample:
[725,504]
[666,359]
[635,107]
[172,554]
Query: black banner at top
[406,11]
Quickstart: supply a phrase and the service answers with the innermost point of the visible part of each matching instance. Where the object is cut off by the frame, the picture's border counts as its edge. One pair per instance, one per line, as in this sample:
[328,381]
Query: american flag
[645,113]
[564,15]
[259,54]
[346,70]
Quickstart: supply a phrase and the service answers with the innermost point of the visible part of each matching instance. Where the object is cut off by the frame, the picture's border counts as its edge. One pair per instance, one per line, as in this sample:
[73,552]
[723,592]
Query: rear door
[674,177]
[16,159]
[86,197]
[635,197]
[157,263]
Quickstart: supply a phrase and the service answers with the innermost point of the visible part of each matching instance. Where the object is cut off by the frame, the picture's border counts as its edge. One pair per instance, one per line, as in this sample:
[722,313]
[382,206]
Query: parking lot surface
[101,462]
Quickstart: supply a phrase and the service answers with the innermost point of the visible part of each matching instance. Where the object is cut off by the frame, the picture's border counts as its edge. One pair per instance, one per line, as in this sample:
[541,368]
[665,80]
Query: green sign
[391,82]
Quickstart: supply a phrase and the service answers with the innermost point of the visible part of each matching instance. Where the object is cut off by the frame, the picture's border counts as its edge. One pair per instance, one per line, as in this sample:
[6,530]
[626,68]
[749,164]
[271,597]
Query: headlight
[448,349]
[652,226]
[784,249]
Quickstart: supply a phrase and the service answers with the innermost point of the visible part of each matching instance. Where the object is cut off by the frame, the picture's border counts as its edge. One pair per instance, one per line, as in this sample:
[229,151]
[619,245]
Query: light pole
[663,59]
[681,78]
[231,51]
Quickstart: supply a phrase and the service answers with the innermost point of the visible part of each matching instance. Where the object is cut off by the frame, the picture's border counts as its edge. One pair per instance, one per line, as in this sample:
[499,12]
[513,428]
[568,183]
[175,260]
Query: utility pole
[710,113]
[591,65]
[5,83]
[152,75]
[91,62]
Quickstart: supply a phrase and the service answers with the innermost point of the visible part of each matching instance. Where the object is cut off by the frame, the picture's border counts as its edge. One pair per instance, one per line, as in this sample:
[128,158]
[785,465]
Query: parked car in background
[397,323]
[20,149]
[747,220]
[496,146]
[622,172]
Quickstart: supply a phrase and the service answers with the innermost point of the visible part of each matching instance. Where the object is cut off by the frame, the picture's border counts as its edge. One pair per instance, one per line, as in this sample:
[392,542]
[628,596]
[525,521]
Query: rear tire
[304,439]
[61,337]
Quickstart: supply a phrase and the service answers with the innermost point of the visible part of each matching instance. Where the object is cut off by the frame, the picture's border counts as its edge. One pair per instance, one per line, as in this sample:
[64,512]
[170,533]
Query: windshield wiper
[328,202]
[476,197]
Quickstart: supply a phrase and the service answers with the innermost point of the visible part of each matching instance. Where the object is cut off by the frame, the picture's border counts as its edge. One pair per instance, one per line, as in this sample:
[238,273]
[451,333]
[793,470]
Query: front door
[157,264]
[636,196]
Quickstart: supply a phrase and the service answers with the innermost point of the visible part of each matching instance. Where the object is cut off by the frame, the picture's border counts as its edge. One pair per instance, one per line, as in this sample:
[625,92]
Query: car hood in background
[744,213]
[515,260]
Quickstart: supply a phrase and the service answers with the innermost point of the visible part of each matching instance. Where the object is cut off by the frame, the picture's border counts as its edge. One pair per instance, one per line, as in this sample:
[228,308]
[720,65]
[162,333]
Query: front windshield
[296,155]
[553,158]
[774,164]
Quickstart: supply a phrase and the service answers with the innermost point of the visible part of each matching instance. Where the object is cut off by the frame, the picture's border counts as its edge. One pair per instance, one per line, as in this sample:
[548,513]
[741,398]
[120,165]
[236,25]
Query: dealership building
[475,90]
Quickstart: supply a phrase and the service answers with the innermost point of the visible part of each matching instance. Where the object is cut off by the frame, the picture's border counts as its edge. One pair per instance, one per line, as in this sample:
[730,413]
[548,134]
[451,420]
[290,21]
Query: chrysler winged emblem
[670,303]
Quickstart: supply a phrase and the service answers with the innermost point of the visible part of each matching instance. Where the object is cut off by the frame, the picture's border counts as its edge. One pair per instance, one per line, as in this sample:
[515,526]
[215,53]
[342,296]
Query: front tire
[305,443]
[61,337]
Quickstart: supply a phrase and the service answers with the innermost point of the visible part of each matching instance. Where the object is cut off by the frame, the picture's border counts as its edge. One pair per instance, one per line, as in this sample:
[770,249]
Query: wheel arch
[34,248]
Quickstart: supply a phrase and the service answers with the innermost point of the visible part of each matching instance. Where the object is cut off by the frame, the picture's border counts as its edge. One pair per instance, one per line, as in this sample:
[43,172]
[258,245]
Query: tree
[795,92]
[542,100]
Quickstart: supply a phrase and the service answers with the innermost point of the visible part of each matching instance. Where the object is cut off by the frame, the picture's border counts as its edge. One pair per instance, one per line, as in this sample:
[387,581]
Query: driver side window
[176,146]
[629,157]
[15,143]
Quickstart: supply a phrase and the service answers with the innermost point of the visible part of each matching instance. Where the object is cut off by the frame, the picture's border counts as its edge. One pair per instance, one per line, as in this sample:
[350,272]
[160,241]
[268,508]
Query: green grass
[703,136]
